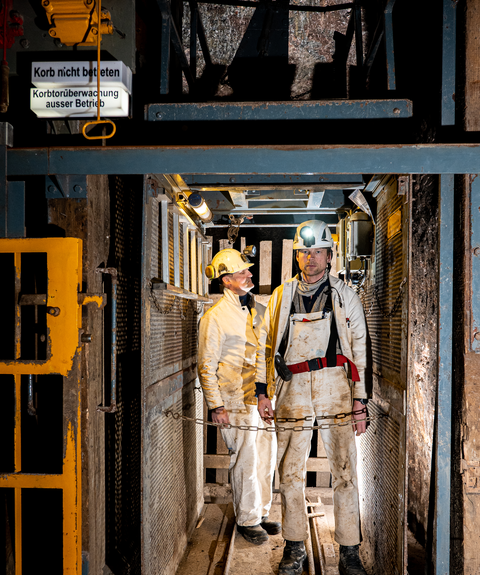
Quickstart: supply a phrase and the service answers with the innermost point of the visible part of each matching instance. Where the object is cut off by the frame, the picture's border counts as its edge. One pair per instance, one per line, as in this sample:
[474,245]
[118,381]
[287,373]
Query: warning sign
[78,102]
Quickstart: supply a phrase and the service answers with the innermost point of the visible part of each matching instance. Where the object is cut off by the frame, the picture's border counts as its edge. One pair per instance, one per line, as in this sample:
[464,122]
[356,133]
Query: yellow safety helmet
[312,234]
[227,261]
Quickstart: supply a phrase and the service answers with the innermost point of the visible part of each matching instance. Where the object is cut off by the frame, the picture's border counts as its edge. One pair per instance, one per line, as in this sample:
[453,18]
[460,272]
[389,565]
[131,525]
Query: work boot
[350,562]
[294,556]
[254,534]
[271,527]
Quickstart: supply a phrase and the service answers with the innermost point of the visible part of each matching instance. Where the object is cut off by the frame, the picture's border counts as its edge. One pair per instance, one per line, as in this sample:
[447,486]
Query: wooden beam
[265,279]
[287,260]
[212,461]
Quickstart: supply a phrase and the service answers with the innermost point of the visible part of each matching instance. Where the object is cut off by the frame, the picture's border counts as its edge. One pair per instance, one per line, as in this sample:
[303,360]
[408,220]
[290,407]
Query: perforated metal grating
[381,467]
[123,430]
[173,340]
[175,454]
[386,333]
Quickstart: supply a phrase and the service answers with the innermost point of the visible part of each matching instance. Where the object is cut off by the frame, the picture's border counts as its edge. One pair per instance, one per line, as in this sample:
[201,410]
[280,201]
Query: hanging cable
[5,70]
[98,121]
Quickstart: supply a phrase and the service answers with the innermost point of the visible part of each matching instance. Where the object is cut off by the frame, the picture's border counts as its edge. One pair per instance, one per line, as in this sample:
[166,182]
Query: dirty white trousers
[322,392]
[252,463]
[252,453]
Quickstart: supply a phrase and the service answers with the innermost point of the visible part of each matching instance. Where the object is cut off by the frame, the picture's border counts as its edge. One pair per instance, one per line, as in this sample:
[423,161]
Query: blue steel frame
[305,110]
[443,445]
[255,160]
[475,251]
[449,61]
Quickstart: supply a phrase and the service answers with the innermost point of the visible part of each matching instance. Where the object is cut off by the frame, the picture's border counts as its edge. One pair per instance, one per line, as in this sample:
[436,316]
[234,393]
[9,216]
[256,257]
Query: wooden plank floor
[207,551]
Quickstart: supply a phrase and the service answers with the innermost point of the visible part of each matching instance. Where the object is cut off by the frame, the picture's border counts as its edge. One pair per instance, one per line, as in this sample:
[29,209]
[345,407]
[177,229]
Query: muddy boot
[254,534]
[294,556]
[271,527]
[350,562]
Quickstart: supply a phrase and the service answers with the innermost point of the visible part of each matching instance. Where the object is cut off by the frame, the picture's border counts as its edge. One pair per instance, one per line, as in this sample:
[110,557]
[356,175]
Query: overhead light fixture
[199,205]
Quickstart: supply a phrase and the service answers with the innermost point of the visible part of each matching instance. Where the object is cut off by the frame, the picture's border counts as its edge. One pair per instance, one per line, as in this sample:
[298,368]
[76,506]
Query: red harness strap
[320,363]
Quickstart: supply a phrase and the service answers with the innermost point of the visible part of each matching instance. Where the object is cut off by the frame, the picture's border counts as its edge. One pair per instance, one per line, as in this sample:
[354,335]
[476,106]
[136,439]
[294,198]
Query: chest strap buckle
[314,364]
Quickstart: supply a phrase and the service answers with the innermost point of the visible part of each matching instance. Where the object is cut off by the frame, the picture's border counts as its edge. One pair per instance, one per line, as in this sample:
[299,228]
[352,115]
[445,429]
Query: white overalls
[228,340]
[322,392]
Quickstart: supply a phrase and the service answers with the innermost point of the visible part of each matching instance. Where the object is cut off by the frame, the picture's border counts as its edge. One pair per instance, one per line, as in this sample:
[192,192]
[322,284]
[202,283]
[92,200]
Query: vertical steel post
[444,400]
[6,140]
[165,270]
[475,245]
[449,61]
[389,45]
[176,251]
[165,56]
[18,469]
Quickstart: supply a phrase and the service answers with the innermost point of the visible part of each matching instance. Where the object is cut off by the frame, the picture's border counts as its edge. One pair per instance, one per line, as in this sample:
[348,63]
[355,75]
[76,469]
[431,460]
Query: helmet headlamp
[306,233]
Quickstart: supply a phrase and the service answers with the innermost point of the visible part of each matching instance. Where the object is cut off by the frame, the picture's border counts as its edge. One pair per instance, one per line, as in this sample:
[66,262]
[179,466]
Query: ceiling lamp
[199,205]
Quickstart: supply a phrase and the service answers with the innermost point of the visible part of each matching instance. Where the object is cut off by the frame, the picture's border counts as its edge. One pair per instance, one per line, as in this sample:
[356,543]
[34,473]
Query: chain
[176,302]
[232,231]
[394,308]
[273,429]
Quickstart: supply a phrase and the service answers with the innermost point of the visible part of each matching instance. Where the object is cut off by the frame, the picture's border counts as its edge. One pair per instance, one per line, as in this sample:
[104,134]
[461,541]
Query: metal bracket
[73,187]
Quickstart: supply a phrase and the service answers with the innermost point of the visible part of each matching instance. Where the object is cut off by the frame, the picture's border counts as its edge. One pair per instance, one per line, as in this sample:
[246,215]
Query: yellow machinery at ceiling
[76,22]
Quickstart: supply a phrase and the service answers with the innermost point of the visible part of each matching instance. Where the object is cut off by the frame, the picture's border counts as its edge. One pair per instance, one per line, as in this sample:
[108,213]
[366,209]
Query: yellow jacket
[351,327]
[228,340]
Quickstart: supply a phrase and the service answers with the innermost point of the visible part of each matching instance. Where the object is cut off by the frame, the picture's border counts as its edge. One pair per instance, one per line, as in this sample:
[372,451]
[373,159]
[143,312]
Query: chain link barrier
[176,303]
[395,306]
[273,429]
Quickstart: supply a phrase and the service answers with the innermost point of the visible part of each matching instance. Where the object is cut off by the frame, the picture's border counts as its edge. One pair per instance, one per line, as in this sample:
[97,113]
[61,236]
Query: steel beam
[247,160]
[305,110]
[443,445]
[475,254]
[449,61]
[253,181]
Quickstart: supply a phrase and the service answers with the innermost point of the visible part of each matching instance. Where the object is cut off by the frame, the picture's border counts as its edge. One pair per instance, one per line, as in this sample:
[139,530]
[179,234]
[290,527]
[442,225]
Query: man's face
[313,263]
[239,282]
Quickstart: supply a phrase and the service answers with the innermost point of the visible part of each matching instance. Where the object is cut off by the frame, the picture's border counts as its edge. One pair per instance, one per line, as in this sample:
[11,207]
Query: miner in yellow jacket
[228,340]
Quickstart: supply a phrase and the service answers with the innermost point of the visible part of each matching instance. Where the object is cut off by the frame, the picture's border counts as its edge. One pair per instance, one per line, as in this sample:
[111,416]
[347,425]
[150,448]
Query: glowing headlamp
[306,233]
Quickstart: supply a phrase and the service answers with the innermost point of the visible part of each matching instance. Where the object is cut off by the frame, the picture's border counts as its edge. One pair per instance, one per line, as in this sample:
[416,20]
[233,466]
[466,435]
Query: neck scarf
[305,289]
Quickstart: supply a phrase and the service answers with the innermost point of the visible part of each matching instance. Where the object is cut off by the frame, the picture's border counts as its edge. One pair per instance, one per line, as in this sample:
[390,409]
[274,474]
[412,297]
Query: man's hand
[362,426]
[220,415]
[265,408]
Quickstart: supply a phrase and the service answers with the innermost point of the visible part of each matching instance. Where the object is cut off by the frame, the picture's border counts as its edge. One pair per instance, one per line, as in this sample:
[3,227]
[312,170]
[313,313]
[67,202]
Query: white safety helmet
[227,261]
[312,234]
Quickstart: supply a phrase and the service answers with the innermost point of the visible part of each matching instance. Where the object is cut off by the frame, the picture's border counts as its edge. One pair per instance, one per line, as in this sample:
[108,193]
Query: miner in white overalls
[312,360]
[228,340]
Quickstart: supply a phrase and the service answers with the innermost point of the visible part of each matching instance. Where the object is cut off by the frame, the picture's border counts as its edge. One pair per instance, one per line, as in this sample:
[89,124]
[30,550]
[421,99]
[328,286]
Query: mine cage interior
[236,120]
[145,253]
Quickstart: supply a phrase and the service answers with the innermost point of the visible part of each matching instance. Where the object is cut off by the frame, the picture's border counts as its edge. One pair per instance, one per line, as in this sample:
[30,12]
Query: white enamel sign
[65,74]
[78,102]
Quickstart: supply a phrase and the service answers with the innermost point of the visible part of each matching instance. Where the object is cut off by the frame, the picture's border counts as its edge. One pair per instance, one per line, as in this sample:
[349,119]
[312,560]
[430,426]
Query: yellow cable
[98,121]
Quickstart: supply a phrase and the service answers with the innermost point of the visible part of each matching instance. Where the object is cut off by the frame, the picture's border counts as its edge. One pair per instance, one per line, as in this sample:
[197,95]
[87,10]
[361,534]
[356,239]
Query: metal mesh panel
[123,437]
[174,469]
[182,229]
[386,333]
[156,254]
[171,255]
[381,467]
[173,339]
